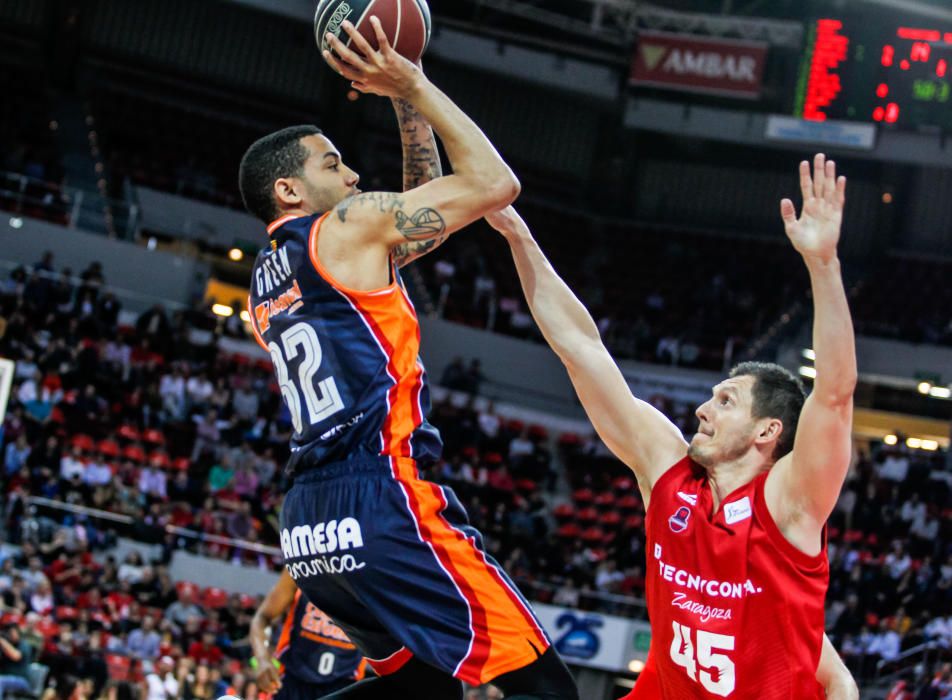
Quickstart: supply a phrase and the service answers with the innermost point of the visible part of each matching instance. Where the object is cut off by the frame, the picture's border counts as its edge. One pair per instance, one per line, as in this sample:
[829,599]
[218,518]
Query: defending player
[314,655]
[737,567]
[389,556]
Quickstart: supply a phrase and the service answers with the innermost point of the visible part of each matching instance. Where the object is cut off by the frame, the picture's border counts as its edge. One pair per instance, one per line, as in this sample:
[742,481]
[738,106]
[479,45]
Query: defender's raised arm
[804,486]
[640,435]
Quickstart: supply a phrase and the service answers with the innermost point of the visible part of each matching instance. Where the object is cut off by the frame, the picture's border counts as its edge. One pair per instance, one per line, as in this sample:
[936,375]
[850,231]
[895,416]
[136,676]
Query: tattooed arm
[376,223]
[421,163]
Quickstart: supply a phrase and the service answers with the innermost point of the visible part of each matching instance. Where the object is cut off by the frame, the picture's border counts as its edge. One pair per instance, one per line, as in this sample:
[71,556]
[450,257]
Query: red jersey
[736,610]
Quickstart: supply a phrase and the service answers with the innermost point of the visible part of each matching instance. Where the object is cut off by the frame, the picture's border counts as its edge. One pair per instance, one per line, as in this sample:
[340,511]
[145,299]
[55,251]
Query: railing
[68,206]
[142,300]
[624,606]
[128,520]
[925,654]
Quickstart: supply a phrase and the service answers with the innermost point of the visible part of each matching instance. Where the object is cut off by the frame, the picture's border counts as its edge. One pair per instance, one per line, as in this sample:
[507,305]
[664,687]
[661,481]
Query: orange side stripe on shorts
[506,631]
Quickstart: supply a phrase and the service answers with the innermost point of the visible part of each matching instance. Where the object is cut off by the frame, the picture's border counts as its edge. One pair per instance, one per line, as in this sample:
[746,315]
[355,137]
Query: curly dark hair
[268,159]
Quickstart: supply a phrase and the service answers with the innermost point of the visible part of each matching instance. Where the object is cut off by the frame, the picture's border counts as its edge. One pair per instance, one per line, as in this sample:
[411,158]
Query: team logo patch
[679,521]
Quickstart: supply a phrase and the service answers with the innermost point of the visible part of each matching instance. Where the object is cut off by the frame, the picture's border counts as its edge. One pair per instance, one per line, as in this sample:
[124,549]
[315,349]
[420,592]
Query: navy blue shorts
[393,560]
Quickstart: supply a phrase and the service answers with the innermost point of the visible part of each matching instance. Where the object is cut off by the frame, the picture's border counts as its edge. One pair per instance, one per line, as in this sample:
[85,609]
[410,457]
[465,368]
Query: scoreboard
[876,71]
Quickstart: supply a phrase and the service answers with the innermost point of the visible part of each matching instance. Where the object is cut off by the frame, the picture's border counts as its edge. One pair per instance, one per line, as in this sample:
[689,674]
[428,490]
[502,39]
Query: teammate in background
[315,656]
[737,566]
[390,557]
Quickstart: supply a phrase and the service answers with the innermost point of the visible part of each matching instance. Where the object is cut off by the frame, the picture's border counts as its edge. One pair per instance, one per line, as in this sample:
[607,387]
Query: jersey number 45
[712,669]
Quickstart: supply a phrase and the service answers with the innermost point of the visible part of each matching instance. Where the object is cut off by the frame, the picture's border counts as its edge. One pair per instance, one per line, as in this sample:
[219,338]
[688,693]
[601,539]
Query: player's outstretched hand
[817,231]
[382,72]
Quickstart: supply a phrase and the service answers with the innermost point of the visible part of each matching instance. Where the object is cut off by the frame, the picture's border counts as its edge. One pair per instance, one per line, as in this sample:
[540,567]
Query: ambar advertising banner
[692,63]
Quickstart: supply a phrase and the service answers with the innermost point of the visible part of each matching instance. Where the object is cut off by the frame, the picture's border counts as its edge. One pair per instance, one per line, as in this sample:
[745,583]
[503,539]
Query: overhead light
[914,443]
[808,354]
[940,392]
[235,254]
[245,316]
[924,387]
[222,310]
[930,445]
[808,372]
[636,665]
[890,439]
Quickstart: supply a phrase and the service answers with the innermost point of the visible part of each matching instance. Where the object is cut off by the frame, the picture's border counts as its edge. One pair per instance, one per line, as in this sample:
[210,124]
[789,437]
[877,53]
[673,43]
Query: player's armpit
[427,213]
[635,431]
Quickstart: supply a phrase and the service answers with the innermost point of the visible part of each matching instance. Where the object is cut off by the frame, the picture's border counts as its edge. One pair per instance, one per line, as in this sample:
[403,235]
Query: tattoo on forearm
[421,158]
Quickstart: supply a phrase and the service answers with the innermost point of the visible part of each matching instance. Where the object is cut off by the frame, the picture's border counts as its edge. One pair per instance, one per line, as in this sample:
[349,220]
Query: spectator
[162,684]
[144,641]
[41,600]
[205,651]
[16,655]
[184,609]
[16,455]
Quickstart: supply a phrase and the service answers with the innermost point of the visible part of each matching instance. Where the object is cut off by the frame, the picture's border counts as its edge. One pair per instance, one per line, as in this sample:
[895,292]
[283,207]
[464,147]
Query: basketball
[406,23]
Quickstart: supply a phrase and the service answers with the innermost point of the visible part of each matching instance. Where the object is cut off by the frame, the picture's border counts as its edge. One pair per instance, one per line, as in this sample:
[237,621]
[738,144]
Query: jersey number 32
[712,669]
[321,399]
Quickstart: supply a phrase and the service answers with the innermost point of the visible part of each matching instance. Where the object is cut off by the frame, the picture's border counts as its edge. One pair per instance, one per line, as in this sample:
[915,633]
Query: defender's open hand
[817,231]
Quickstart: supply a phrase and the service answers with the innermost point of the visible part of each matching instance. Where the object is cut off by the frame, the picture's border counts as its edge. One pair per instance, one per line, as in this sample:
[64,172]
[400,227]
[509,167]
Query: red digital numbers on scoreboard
[829,51]
[884,72]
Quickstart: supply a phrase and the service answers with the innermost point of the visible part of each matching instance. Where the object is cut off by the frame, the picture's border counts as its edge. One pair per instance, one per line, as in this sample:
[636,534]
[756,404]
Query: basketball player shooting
[737,566]
[389,556]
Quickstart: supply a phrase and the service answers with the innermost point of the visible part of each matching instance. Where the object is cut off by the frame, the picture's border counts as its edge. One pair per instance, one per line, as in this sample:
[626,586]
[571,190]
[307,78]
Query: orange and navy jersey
[347,361]
[314,650]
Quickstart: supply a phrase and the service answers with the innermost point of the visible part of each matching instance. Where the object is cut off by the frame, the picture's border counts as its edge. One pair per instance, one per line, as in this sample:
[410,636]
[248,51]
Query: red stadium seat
[83,442]
[538,432]
[153,437]
[248,602]
[587,515]
[605,501]
[592,534]
[612,519]
[134,453]
[564,512]
[569,530]
[65,613]
[160,459]
[628,503]
[119,667]
[569,440]
[181,464]
[526,485]
[214,597]
[583,496]
[109,448]
[181,586]
[129,433]
[634,522]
